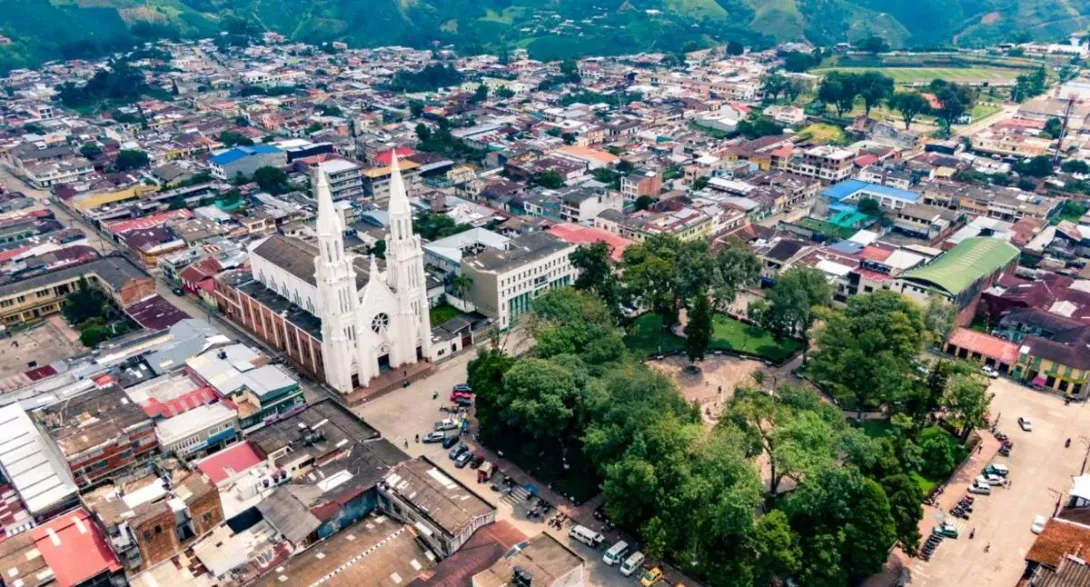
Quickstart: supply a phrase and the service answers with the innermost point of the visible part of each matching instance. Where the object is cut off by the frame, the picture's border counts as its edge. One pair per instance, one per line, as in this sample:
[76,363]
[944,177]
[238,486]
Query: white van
[632,564]
[616,553]
[586,536]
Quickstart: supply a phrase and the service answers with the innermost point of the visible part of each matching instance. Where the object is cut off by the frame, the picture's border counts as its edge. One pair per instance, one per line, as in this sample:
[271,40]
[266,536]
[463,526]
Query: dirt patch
[990,18]
[39,346]
[714,384]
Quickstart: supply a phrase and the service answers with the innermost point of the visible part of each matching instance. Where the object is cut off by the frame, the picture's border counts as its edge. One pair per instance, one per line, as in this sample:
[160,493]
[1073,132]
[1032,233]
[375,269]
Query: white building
[506,281]
[384,324]
[344,178]
[196,432]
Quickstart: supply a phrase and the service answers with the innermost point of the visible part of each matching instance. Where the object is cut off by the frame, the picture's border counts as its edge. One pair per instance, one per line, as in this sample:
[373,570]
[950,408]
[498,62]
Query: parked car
[463,388]
[980,489]
[997,469]
[463,402]
[457,451]
[651,577]
[1025,424]
[1038,525]
[948,530]
[446,424]
[456,395]
[989,372]
[477,461]
[433,437]
[178,291]
[986,479]
[463,458]
[450,441]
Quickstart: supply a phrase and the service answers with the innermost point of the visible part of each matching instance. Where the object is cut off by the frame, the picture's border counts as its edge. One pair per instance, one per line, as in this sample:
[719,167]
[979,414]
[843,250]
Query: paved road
[13,183]
[1041,472]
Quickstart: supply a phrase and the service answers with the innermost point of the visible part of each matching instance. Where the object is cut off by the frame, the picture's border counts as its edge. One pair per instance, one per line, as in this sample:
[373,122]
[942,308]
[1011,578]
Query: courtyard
[35,347]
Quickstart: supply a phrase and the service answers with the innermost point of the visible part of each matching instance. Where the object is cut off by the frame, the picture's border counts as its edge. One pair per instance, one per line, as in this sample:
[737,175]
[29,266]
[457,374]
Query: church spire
[399,210]
[329,222]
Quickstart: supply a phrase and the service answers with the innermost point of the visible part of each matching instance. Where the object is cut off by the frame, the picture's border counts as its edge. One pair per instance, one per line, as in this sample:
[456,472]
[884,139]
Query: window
[147,535]
[158,530]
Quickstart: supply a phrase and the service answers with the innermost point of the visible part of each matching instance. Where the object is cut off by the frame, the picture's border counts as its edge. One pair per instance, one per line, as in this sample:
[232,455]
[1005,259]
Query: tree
[735,48]
[572,322]
[698,330]
[938,317]
[874,88]
[733,268]
[793,303]
[910,105]
[644,202]
[596,274]
[1075,166]
[1053,127]
[874,44]
[568,138]
[423,133]
[230,139]
[967,398]
[777,548]
[416,108]
[838,89]
[90,150]
[870,206]
[540,398]
[433,225]
[867,352]
[129,159]
[1037,166]
[379,249]
[92,335]
[479,95]
[505,93]
[652,280]
[271,179]
[954,101]
[775,84]
[550,179]
[461,284]
[905,499]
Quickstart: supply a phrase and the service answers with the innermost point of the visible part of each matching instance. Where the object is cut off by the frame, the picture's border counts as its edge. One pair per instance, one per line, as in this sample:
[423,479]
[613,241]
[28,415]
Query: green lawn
[984,110]
[442,313]
[729,334]
[827,228]
[923,75]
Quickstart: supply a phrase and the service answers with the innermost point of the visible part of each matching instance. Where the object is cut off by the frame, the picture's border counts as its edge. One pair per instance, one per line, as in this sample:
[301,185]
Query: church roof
[297,257]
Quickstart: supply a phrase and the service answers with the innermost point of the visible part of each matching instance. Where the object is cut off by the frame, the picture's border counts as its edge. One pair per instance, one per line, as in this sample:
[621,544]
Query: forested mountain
[53,29]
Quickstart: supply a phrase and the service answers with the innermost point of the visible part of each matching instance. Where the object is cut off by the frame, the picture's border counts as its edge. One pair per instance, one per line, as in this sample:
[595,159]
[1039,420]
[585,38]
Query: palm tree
[460,284]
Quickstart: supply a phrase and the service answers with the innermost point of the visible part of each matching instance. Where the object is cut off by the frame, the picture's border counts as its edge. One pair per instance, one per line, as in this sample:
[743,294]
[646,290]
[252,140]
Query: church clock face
[380,322]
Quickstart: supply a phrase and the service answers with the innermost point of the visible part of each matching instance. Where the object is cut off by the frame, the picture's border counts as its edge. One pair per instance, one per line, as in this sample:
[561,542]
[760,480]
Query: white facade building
[194,433]
[385,324]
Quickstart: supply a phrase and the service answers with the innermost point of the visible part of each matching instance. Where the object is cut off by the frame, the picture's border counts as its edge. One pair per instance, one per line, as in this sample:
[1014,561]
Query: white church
[385,324]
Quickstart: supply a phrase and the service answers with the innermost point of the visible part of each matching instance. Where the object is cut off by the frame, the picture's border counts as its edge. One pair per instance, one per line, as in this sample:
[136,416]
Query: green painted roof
[970,260]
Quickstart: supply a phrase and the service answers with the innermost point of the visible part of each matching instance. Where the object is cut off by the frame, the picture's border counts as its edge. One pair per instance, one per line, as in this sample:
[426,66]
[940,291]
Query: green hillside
[53,29]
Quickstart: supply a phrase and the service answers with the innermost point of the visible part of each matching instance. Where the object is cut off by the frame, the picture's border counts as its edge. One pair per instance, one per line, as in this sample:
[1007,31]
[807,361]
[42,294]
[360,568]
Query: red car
[460,395]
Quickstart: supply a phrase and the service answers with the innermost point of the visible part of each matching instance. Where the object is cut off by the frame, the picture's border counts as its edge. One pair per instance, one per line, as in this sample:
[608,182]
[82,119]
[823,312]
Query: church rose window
[380,322]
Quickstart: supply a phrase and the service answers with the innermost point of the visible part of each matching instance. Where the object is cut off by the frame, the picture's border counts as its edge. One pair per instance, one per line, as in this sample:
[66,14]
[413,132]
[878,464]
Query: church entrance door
[384,363]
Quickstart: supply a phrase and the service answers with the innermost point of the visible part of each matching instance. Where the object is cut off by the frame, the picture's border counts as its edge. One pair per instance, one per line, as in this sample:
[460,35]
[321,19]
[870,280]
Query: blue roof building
[849,192]
[246,160]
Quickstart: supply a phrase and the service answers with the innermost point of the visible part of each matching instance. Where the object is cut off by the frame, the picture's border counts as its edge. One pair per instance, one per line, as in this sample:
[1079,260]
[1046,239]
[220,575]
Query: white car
[988,371]
[1025,424]
[1038,524]
[980,489]
[446,424]
[986,479]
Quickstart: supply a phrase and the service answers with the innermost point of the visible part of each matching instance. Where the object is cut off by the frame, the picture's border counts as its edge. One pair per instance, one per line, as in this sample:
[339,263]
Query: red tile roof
[1058,540]
[229,461]
[585,235]
[181,404]
[146,222]
[73,547]
[402,152]
[985,344]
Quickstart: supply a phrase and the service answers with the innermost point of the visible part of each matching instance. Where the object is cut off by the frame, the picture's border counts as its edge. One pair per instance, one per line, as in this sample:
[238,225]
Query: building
[155,517]
[826,162]
[444,512]
[446,254]
[577,234]
[245,161]
[1053,351]
[506,281]
[199,431]
[541,561]
[262,393]
[329,464]
[345,181]
[44,294]
[377,181]
[101,434]
[68,551]
[34,469]
[960,274]
[853,191]
[641,183]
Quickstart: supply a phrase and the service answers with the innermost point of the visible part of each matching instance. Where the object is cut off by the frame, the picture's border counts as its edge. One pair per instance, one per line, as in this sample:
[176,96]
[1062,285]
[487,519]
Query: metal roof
[40,477]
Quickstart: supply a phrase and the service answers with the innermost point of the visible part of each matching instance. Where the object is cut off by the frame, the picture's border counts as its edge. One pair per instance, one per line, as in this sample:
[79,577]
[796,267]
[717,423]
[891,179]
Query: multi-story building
[44,294]
[686,224]
[641,183]
[45,174]
[155,517]
[199,431]
[102,435]
[67,550]
[245,161]
[263,393]
[376,181]
[828,163]
[506,281]
[345,181]
[420,494]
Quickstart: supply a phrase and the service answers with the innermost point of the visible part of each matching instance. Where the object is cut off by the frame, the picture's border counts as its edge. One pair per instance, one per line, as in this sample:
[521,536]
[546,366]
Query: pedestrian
[435,395]
[418,439]
[980,448]
[988,547]
[972,533]
[406,443]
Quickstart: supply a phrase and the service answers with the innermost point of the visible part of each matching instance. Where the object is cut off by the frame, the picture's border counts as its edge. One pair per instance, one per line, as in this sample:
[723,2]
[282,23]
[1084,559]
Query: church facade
[385,323]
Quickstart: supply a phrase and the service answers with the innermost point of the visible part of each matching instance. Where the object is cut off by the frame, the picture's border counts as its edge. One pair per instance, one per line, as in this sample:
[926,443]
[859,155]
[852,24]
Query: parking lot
[403,414]
[1041,471]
